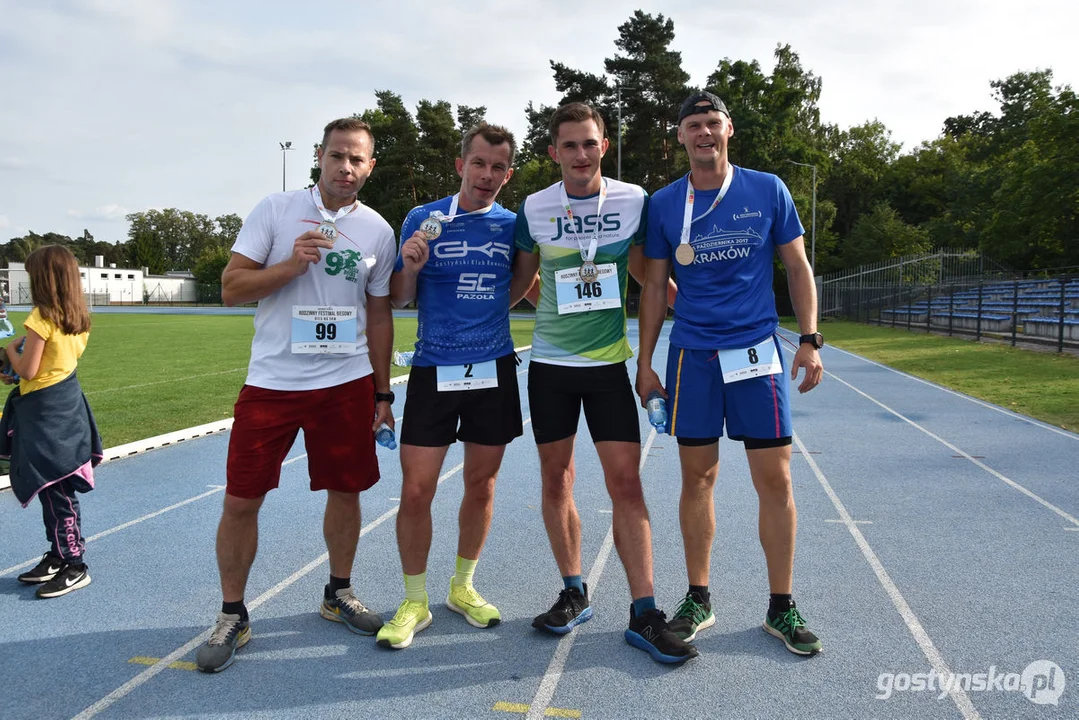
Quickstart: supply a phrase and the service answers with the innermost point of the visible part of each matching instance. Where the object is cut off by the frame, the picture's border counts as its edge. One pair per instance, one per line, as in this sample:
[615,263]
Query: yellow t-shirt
[60,357]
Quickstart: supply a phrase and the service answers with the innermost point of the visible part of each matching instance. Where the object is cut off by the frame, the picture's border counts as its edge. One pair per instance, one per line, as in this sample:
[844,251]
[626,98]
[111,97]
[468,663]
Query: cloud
[104,213]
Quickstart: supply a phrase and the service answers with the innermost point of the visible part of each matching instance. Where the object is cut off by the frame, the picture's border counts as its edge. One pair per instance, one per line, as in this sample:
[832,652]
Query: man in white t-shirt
[318,262]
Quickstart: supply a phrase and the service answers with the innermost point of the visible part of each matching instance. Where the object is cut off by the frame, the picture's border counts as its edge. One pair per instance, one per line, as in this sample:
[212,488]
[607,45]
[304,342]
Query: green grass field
[151,374]
[1043,385]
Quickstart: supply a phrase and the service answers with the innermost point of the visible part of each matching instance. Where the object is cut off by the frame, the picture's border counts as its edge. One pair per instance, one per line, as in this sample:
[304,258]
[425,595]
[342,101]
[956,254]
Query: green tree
[180,236]
[880,234]
[227,228]
[438,146]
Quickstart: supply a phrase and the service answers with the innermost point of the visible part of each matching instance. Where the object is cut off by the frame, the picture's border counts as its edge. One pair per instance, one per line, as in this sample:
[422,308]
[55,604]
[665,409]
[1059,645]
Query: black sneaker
[650,633]
[44,571]
[789,627]
[692,615]
[570,610]
[70,577]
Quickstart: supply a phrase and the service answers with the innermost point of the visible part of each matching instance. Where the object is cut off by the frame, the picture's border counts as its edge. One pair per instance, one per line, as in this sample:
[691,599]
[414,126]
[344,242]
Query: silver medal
[589,272]
[431,227]
[328,230]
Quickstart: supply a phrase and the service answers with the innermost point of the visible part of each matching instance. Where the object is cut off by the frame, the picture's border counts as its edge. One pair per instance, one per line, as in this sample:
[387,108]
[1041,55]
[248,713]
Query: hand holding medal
[414,251]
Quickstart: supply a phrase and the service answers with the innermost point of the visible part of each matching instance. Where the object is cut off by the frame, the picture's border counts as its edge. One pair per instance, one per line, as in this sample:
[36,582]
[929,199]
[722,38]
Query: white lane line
[175,655]
[1006,480]
[976,401]
[164,382]
[966,707]
[551,678]
[144,518]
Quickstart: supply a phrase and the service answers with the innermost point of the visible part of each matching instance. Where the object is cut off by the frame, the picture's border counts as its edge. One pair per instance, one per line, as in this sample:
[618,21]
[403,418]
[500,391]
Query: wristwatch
[384,397]
[814,339]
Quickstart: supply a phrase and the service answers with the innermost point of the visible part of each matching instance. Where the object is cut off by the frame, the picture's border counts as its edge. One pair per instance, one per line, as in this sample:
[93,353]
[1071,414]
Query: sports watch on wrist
[384,397]
[814,339]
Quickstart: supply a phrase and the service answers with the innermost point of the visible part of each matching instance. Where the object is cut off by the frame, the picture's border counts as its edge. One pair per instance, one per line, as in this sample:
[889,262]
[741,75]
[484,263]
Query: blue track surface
[935,533]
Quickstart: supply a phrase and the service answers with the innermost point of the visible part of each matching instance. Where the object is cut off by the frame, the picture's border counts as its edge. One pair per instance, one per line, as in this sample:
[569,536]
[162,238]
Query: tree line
[1005,183]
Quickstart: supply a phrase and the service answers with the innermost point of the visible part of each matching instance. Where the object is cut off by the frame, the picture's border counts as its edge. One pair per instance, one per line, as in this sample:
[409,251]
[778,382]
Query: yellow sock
[416,587]
[465,570]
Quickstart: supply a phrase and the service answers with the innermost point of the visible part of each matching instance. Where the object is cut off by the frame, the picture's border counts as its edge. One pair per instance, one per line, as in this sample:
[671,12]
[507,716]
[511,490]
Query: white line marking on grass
[1004,411]
[174,656]
[551,678]
[966,707]
[164,382]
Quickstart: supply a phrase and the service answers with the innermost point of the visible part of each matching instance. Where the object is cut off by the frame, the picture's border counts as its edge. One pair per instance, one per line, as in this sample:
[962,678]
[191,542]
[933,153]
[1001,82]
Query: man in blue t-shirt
[722,225]
[457,262]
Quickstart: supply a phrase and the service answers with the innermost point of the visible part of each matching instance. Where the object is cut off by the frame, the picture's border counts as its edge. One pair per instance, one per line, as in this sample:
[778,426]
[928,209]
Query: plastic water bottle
[403,359]
[385,437]
[657,410]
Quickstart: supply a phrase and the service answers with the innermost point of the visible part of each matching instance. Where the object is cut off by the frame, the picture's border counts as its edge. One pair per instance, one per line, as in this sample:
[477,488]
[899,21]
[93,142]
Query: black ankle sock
[701,591]
[336,584]
[235,608]
[779,604]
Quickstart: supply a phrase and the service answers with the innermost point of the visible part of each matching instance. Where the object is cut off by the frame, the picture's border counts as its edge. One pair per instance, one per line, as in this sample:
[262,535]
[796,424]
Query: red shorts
[337,434]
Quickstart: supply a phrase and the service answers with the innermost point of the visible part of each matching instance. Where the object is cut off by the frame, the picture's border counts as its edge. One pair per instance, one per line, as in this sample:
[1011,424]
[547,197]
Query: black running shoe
[650,633]
[692,615]
[570,610]
[70,577]
[44,571]
[791,628]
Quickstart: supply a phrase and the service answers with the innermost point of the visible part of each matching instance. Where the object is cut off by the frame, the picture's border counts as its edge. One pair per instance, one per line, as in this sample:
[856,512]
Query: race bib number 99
[323,329]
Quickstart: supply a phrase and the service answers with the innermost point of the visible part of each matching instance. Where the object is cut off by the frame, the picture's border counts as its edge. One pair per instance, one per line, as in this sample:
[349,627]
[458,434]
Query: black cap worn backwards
[691,107]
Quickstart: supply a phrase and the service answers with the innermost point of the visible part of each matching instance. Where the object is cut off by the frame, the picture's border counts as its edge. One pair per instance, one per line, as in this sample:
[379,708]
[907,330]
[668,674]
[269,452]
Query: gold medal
[431,227]
[589,272]
[328,230]
[684,254]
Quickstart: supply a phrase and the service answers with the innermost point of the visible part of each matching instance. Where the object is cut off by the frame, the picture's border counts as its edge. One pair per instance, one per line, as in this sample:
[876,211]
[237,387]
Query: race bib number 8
[575,295]
[745,363]
[323,329]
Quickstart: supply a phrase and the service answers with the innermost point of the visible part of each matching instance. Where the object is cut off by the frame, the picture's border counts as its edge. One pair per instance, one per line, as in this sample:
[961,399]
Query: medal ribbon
[587,254]
[686,221]
[327,215]
[454,214]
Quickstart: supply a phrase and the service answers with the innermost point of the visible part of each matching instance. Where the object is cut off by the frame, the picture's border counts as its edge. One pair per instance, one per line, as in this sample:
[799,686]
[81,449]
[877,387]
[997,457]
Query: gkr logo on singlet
[587,224]
[456,249]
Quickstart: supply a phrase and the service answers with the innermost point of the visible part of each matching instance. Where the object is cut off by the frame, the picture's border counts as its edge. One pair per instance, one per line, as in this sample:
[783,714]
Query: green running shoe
[791,629]
[692,615]
[464,600]
[409,619]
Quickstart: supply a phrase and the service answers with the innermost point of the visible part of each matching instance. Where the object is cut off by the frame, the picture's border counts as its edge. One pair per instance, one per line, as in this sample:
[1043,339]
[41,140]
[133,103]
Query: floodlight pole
[813,227]
[618,92]
[285,146]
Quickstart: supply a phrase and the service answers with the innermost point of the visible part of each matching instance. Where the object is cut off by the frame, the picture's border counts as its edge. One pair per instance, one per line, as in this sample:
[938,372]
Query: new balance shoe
[650,633]
[230,633]
[44,571]
[464,600]
[691,616]
[71,577]
[410,618]
[570,610]
[790,627]
[345,608]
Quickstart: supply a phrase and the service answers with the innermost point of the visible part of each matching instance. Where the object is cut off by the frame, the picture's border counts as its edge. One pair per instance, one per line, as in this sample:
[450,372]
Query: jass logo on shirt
[586,225]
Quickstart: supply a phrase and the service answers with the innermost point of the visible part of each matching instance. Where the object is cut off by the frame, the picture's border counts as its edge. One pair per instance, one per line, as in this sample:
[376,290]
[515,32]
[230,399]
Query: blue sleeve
[787,226]
[655,243]
[522,235]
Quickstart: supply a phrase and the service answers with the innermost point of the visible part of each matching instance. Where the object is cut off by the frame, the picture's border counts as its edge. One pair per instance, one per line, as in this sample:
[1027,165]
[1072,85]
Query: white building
[112,285]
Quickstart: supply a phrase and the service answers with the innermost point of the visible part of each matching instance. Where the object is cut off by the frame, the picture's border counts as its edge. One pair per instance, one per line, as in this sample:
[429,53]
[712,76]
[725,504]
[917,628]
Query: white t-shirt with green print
[591,337]
[359,264]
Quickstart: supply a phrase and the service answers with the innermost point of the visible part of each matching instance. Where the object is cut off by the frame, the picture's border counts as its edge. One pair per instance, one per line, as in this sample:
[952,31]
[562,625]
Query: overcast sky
[114,106]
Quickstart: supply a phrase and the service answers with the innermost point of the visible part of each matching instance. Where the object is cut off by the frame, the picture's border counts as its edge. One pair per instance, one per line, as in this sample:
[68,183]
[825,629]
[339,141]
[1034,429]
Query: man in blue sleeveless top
[457,262]
[722,225]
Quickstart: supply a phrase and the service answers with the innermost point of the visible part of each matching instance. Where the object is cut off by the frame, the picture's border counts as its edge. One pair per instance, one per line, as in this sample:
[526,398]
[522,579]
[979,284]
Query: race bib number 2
[323,329]
[473,376]
[745,363]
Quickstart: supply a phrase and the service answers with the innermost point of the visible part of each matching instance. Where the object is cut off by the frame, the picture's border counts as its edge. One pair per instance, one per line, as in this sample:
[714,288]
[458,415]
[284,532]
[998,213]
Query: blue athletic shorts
[699,402]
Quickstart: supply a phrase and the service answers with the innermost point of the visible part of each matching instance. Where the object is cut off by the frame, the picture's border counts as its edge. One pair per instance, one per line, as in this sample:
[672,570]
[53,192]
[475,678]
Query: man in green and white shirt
[583,235]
